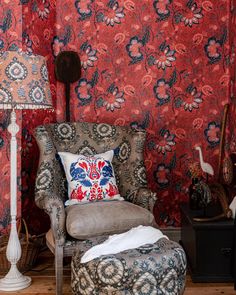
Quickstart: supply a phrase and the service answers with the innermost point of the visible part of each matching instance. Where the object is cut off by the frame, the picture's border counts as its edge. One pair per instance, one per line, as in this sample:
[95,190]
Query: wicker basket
[30,246]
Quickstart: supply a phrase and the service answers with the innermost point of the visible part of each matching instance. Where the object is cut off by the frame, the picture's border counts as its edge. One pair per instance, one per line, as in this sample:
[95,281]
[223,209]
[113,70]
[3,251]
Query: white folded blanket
[134,238]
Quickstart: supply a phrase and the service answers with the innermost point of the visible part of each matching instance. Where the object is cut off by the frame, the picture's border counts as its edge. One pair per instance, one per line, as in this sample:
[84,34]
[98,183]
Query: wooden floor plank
[42,286]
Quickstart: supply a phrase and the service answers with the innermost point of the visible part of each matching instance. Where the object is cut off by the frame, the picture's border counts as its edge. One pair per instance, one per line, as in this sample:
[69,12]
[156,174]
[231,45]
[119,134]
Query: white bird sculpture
[206,167]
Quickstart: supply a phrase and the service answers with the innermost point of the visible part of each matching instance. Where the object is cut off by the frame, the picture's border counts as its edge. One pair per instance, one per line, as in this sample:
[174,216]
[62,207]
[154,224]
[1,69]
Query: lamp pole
[14,280]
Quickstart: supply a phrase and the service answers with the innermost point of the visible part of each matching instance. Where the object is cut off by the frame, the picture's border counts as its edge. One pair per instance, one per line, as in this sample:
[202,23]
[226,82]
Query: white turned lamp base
[14,281]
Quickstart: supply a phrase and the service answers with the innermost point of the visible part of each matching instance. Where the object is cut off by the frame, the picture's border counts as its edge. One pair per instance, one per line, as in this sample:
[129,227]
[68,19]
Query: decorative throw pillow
[90,178]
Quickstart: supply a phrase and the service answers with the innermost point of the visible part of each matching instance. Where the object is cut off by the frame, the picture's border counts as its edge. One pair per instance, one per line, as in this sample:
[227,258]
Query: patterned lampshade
[24,81]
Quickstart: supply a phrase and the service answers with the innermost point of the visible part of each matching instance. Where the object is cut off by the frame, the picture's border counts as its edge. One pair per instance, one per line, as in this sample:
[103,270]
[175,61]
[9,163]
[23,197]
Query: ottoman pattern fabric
[156,269]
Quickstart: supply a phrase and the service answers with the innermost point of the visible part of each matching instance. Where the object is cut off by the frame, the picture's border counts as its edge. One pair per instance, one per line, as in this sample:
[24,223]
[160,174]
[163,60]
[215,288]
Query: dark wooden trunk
[208,246]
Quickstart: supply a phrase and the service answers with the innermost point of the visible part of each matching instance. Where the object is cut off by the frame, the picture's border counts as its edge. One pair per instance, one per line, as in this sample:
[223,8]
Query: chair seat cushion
[105,218]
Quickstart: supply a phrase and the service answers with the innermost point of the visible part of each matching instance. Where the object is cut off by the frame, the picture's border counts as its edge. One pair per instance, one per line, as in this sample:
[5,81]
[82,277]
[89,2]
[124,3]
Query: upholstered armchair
[94,221]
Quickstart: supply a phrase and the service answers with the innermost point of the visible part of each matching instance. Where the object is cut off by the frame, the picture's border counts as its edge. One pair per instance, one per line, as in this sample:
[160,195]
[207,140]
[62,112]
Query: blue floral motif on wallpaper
[164,66]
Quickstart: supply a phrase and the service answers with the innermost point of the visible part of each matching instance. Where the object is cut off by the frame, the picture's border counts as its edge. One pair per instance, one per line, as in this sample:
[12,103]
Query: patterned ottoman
[155,269]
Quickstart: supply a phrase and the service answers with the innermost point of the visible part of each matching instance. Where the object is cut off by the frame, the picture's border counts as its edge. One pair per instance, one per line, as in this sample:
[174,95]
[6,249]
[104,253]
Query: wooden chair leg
[59,269]
[234,254]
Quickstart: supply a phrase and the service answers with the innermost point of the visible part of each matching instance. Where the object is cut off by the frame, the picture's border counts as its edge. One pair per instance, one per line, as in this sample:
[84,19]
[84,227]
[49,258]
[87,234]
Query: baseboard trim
[173,233]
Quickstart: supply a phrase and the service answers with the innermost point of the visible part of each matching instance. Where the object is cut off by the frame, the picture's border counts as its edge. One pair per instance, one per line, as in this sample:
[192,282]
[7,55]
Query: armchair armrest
[54,207]
[48,192]
[143,197]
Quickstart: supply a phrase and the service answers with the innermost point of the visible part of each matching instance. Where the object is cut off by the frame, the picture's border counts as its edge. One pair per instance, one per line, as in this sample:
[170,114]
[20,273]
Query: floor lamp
[23,85]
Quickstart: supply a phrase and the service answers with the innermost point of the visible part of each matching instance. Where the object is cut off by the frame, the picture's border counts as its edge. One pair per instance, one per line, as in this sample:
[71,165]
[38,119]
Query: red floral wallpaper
[10,39]
[37,34]
[166,66]
[160,65]
[232,89]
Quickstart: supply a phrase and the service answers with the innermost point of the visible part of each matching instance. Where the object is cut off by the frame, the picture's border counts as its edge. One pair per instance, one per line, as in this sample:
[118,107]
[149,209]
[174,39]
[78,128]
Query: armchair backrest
[88,139]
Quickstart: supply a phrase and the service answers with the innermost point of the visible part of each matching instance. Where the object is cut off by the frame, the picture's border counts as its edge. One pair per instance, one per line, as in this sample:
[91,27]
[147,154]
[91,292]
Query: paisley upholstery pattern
[158,269]
[88,139]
